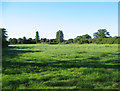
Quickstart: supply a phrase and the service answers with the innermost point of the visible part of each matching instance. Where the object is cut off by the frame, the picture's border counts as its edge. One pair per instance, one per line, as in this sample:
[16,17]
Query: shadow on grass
[12,53]
[107,54]
[48,65]
[19,47]
[92,62]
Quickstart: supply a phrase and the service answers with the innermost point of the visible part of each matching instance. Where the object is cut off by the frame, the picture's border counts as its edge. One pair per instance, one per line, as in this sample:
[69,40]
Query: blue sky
[73,18]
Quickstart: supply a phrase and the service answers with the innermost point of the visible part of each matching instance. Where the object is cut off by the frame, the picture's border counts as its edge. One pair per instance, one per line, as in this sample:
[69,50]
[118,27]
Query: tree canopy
[4,37]
[101,33]
[37,38]
[100,37]
[59,36]
[86,36]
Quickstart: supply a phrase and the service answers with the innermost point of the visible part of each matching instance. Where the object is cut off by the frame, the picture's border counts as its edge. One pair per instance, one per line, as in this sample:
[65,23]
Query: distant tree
[53,41]
[10,40]
[59,36]
[29,41]
[20,41]
[86,36]
[43,40]
[4,36]
[14,41]
[50,41]
[79,37]
[75,40]
[33,41]
[90,40]
[83,39]
[47,40]
[69,41]
[101,33]
[37,38]
[24,40]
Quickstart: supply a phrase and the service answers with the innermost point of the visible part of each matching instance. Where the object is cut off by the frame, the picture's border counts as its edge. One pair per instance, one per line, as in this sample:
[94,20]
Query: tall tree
[101,33]
[4,36]
[24,40]
[37,38]
[59,36]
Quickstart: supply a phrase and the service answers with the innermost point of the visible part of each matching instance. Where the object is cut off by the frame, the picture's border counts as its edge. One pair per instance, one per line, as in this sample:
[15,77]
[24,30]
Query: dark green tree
[20,41]
[86,36]
[75,40]
[43,40]
[24,40]
[14,41]
[59,36]
[101,33]
[47,40]
[10,40]
[69,41]
[52,41]
[37,38]
[33,41]
[4,36]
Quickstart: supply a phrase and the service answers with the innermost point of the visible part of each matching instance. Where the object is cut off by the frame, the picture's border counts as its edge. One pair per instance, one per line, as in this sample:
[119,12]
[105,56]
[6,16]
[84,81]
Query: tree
[43,40]
[37,38]
[86,36]
[14,41]
[75,40]
[101,33]
[33,41]
[69,41]
[47,40]
[4,37]
[24,40]
[20,41]
[52,41]
[10,40]
[59,36]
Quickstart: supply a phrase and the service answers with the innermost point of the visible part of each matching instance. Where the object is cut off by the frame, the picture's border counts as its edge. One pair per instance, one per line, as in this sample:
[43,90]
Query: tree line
[102,36]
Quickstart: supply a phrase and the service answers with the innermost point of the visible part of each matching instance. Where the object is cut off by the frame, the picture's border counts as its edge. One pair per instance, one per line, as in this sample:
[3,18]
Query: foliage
[23,40]
[101,33]
[43,40]
[86,36]
[59,36]
[113,40]
[100,37]
[14,41]
[37,38]
[53,41]
[69,41]
[4,36]
[20,41]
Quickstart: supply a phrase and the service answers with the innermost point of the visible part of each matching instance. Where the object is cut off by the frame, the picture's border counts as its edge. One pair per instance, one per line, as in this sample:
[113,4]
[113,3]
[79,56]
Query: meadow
[70,66]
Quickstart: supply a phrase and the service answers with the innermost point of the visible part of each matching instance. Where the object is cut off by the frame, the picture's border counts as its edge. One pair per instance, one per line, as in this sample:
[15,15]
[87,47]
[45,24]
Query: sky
[73,18]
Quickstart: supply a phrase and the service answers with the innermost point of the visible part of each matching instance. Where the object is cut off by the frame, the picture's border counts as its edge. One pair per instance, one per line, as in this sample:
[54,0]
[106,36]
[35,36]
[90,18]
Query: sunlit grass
[36,66]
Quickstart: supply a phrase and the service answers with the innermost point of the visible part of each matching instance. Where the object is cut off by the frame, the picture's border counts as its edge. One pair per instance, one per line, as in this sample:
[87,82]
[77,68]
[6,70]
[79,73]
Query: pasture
[72,66]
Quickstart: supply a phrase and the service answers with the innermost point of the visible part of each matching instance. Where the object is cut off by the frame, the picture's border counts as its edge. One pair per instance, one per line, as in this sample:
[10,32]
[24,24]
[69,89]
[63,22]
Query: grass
[35,66]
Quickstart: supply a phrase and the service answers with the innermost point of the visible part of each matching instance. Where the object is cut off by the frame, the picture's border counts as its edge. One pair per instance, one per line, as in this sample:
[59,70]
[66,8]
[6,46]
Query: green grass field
[42,66]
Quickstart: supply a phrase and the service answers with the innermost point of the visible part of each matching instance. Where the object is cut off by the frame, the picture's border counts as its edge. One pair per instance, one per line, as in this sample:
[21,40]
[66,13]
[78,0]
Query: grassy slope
[60,66]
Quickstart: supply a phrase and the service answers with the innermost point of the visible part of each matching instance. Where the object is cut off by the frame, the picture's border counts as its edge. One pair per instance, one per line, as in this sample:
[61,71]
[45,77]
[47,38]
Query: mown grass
[36,66]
